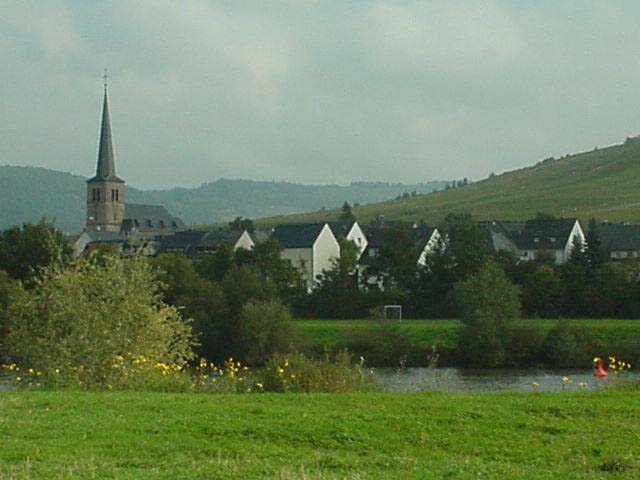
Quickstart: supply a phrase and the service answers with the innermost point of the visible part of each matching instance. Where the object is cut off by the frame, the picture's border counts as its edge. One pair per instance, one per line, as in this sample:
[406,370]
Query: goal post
[393,312]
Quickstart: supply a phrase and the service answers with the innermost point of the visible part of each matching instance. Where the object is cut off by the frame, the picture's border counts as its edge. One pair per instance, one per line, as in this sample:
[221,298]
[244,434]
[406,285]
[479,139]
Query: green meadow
[335,334]
[434,435]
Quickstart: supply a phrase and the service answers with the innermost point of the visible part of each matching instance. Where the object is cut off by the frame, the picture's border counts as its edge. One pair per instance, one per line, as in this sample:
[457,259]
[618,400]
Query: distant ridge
[28,194]
[602,183]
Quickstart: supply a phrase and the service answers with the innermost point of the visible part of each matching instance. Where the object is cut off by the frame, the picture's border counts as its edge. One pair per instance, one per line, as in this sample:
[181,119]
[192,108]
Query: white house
[309,247]
[351,231]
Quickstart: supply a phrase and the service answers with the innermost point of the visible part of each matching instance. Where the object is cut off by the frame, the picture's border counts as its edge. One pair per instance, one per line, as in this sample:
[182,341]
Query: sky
[315,91]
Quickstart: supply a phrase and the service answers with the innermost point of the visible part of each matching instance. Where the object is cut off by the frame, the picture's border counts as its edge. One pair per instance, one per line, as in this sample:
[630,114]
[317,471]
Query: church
[110,220]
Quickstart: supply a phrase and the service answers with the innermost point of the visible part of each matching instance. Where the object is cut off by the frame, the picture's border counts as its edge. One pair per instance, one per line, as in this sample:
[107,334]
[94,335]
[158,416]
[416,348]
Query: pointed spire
[106,162]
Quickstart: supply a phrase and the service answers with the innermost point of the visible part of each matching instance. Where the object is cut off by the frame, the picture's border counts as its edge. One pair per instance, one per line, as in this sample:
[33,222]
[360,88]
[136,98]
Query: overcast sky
[315,91]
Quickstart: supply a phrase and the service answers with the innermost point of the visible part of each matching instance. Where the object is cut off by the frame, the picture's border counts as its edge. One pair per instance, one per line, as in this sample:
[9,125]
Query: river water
[470,380]
[457,379]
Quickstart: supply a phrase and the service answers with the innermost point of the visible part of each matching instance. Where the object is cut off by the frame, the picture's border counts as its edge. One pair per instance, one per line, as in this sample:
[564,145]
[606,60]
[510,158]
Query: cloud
[315,91]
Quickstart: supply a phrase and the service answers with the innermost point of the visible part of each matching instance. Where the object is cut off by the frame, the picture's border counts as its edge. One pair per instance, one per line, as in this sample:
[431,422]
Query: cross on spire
[105,77]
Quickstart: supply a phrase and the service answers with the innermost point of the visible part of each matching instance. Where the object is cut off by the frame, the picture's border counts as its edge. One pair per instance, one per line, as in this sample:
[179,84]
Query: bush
[486,302]
[265,329]
[569,346]
[298,373]
[384,343]
[77,320]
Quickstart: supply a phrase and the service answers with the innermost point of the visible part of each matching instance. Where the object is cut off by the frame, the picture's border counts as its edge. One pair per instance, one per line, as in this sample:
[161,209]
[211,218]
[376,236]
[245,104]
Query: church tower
[105,191]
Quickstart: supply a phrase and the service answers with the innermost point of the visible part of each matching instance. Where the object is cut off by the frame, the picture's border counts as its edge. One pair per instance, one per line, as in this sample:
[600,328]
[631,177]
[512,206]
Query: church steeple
[105,191]
[106,162]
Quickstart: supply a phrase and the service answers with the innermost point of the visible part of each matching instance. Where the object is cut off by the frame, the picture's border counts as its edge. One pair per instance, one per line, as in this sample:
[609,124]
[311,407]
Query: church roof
[150,218]
[106,170]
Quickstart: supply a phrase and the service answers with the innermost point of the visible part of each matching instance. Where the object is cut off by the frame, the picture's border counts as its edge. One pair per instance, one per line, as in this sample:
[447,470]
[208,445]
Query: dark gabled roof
[106,170]
[150,218]
[198,241]
[375,238]
[215,238]
[545,234]
[105,236]
[619,237]
[185,241]
[301,235]
[341,228]
[495,229]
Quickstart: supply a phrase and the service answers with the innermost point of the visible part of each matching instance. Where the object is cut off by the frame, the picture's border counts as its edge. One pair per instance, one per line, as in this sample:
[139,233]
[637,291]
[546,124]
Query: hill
[602,183]
[28,194]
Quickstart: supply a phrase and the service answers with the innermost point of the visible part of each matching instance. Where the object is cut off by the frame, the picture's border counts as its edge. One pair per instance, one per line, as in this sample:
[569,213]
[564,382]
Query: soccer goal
[393,312]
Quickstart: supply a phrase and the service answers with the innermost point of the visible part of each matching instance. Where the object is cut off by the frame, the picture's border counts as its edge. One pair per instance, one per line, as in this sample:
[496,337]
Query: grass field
[66,435]
[335,333]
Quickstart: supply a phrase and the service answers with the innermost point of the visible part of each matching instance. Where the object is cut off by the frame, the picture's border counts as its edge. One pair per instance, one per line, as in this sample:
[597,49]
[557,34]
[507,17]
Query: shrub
[384,343]
[486,302]
[79,318]
[568,346]
[265,329]
[298,373]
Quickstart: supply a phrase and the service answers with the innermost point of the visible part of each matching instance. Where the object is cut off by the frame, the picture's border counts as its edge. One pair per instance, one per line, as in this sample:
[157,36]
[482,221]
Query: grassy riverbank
[613,336]
[64,435]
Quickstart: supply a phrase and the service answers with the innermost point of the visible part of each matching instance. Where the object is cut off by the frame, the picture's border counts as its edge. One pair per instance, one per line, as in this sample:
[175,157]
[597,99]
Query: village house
[552,238]
[312,248]
[620,241]
[425,239]
[194,243]
[350,230]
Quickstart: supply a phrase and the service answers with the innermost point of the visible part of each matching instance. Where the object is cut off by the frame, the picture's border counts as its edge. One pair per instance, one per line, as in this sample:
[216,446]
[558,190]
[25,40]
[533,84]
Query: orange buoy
[601,371]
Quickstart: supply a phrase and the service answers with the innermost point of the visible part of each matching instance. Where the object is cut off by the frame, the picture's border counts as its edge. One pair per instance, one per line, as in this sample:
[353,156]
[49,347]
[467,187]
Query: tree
[542,293]
[78,318]
[214,266]
[10,289]
[468,248]
[337,294]
[265,329]
[486,302]
[595,253]
[266,259]
[346,215]
[25,250]
[397,260]
[240,224]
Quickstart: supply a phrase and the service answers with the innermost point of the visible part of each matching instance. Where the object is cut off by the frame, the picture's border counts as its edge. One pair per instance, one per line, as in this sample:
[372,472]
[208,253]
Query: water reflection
[457,379]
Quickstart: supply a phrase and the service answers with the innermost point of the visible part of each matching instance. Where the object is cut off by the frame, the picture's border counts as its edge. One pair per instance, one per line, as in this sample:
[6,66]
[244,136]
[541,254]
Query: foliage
[486,302]
[383,342]
[542,294]
[264,330]
[78,318]
[331,374]
[337,294]
[25,250]
[9,292]
[240,223]
[568,346]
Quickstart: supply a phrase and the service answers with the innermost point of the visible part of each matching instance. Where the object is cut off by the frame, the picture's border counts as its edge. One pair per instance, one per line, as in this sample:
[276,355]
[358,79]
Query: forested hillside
[31,193]
[602,183]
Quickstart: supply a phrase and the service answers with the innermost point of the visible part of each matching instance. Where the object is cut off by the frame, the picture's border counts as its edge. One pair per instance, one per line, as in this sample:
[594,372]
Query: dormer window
[536,239]
[552,239]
